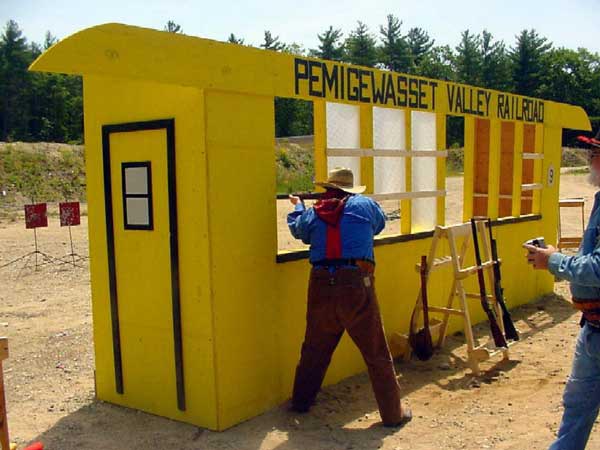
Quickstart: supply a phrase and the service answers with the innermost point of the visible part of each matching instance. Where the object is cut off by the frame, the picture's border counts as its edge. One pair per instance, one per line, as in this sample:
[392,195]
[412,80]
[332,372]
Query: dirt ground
[50,389]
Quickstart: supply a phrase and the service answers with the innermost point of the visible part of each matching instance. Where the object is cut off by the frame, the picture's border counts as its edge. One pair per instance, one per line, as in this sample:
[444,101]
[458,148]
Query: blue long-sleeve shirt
[362,219]
[583,269]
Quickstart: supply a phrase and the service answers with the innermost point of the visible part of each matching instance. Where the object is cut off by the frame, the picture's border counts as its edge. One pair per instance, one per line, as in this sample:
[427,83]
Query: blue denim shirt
[362,219]
[582,269]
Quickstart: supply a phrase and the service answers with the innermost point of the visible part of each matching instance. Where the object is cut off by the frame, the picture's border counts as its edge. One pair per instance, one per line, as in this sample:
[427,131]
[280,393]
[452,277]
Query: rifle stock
[499,340]
[420,341]
[509,326]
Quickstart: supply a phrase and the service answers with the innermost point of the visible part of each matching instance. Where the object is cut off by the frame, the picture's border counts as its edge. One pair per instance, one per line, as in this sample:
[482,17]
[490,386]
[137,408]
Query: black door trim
[169,126]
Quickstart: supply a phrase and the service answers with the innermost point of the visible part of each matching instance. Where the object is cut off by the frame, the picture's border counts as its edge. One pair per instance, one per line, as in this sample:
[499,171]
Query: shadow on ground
[344,417]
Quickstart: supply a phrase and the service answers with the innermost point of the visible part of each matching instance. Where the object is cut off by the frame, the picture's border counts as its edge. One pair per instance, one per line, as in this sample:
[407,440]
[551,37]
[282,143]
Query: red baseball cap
[592,142]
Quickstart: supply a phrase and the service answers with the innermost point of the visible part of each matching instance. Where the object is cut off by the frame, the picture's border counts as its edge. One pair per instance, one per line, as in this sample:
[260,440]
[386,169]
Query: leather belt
[364,265]
[586,304]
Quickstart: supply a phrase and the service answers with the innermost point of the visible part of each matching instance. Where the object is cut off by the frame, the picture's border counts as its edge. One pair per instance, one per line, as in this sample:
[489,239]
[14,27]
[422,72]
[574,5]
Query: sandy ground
[50,390]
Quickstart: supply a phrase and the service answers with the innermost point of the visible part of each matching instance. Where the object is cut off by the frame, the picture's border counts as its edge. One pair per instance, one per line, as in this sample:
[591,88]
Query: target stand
[70,215]
[35,217]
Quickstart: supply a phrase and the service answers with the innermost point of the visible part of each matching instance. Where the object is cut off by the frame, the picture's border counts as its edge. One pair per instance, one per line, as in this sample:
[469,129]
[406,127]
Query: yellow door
[142,225]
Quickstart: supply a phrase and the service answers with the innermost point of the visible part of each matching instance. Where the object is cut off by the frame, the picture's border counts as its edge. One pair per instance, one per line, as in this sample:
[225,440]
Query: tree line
[48,107]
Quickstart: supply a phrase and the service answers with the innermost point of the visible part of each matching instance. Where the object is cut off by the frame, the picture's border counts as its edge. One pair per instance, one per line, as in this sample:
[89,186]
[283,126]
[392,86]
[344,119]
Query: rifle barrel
[496,332]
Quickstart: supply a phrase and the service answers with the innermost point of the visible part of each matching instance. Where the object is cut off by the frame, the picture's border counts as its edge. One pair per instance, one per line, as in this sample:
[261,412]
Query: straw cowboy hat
[594,142]
[343,179]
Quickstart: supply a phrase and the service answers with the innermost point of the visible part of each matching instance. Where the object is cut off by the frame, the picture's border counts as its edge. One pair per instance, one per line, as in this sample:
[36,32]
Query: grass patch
[41,172]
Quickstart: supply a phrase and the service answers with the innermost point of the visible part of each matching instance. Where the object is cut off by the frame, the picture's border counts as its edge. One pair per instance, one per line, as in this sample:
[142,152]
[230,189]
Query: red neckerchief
[329,209]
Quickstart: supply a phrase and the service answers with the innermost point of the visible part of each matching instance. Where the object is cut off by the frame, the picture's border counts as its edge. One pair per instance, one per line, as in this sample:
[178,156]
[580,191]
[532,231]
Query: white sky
[566,23]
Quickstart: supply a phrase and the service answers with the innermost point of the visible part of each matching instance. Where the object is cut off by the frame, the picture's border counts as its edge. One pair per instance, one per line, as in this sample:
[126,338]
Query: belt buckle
[331,281]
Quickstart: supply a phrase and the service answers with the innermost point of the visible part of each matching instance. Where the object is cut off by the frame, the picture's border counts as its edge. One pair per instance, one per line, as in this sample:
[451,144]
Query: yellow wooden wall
[112,101]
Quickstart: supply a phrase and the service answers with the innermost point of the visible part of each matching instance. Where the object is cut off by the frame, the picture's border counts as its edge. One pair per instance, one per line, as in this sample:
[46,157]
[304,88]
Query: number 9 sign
[550,180]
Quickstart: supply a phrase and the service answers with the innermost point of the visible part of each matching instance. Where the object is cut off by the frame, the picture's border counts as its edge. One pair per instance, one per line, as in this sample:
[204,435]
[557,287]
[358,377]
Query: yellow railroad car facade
[196,315]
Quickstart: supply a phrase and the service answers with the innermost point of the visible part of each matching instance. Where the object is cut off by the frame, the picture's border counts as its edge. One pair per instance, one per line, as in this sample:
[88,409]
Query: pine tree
[173,27]
[15,57]
[272,43]
[394,51]
[360,46]
[419,43]
[495,70]
[232,39]
[330,46]
[469,61]
[529,62]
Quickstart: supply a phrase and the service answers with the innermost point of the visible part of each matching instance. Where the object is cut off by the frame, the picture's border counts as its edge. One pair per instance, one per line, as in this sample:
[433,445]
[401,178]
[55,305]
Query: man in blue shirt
[581,397]
[341,293]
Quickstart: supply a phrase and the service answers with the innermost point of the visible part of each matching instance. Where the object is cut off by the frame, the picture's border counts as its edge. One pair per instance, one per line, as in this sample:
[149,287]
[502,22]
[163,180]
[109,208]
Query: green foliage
[330,46]
[495,63]
[295,167]
[39,174]
[293,117]
[49,107]
[361,47]
[272,43]
[469,61]
[172,27]
[420,44]
[438,63]
[395,53]
[455,162]
[529,62]
[574,157]
[232,39]
[36,106]
[455,131]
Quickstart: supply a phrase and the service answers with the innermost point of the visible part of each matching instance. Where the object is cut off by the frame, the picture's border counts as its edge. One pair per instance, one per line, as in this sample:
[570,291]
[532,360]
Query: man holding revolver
[581,397]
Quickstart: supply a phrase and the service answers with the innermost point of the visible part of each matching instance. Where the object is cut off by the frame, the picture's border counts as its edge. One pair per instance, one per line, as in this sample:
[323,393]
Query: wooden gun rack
[452,234]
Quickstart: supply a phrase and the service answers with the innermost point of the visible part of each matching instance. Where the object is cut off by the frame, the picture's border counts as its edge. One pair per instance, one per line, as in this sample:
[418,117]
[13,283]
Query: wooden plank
[501,196]
[406,204]
[440,142]
[369,152]
[406,195]
[532,155]
[437,263]
[367,171]
[528,166]
[518,169]
[571,202]
[3,348]
[538,171]
[531,186]
[481,166]
[320,139]
[4,439]
[438,309]
[478,296]
[507,149]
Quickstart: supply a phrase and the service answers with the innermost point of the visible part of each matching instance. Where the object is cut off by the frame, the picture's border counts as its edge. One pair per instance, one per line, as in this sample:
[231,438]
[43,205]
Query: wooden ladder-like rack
[456,259]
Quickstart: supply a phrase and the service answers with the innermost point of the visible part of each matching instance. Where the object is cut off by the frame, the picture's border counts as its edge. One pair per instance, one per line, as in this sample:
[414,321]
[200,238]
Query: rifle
[303,196]
[309,195]
[509,326]
[499,340]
